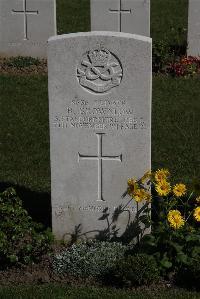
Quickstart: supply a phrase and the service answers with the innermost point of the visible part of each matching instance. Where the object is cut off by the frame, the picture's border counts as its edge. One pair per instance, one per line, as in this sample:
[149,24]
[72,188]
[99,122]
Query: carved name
[104,115]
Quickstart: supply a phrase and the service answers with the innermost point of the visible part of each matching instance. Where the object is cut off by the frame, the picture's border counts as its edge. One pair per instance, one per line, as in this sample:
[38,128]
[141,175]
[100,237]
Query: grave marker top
[131,16]
[25,26]
[120,11]
[25,12]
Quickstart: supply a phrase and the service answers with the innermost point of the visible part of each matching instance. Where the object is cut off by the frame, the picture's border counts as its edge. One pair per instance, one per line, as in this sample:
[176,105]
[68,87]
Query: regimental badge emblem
[99,71]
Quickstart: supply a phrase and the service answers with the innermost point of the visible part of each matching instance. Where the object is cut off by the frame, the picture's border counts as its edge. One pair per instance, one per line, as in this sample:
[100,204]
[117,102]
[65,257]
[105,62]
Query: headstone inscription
[100,126]
[131,16]
[194,28]
[25,26]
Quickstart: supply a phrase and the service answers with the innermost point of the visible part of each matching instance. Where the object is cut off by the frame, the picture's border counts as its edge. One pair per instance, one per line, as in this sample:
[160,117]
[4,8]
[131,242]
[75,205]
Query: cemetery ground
[24,140]
[68,292]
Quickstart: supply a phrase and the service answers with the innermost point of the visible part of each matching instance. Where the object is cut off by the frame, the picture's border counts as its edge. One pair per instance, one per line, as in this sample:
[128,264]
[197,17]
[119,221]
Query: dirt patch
[38,274]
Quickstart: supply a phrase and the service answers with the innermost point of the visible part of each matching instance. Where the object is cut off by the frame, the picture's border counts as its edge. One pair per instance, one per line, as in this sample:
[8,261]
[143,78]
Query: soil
[36,274]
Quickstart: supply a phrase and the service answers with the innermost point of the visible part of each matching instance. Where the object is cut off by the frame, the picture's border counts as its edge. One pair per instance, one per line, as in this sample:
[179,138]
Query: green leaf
[166,263]
[13,258]
[192,237]
[182,258]
[176,246]
[149,240]
[195,251]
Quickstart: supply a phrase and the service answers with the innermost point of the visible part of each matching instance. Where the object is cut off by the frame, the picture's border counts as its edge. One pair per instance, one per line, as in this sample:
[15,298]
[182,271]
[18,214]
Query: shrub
[88,259]
[136,270]
[160,56]
[21,239]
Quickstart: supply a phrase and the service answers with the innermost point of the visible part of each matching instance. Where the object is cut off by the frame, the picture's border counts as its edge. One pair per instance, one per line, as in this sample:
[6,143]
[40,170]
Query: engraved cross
[120,11]
[100,158]
[25,13]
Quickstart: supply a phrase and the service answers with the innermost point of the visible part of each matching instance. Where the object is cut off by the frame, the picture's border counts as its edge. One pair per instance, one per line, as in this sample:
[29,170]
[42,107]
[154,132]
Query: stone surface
[194,28]
[100,126]
[25,26]
[132,16]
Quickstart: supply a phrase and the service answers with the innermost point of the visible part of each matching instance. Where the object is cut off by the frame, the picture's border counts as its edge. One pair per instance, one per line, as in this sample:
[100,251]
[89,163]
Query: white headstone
[132,16]
[25,26]
[100,125]
[194,28]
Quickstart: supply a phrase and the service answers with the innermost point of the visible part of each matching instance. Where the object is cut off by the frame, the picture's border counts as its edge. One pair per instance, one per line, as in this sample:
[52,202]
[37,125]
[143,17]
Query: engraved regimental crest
[99,71]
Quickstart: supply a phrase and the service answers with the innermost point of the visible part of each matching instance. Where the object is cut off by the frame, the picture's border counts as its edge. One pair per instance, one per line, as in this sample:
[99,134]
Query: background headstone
[194,28]
[100,125]
[132,16]
[25,26]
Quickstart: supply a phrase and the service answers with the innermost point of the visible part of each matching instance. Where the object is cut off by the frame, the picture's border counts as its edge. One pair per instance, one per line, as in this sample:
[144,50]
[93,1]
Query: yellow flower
[148,197]
[197,214]
[175,219]
[146,176]
[141,194]
[161,174]
[198,199]
[163,188]
[179,190]
[132,185]
[131,182]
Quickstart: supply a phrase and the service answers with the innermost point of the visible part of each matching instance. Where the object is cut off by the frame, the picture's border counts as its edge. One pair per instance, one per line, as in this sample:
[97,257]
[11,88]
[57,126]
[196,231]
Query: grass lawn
[169,20]
[73,16]
[176,126]
[65,292]
[25,131]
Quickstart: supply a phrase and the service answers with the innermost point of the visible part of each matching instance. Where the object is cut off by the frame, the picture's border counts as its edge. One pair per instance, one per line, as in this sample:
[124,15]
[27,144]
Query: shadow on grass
[37,204]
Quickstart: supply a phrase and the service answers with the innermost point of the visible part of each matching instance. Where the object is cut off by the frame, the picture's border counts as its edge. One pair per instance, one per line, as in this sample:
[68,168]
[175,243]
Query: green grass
[73,16]
[24,134]
[176,126]
[65,292]
[168,20]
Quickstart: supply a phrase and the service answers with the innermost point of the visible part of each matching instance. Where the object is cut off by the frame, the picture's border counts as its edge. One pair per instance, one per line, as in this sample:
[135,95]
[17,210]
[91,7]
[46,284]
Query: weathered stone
[132,16]
[25,26]
[100,126]
[194,28]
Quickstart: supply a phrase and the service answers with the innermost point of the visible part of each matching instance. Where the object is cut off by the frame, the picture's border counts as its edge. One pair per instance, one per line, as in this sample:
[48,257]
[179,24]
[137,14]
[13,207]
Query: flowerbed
[171,251]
